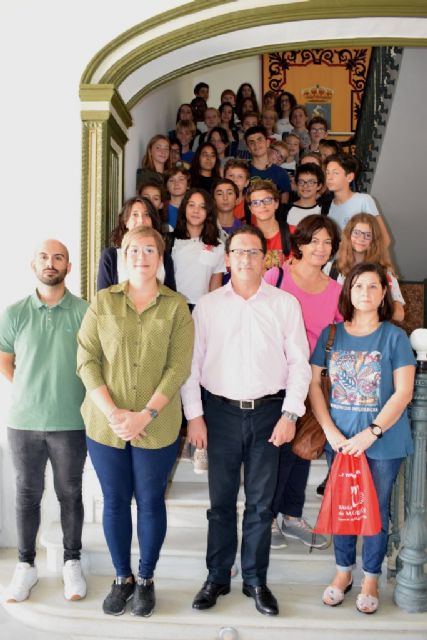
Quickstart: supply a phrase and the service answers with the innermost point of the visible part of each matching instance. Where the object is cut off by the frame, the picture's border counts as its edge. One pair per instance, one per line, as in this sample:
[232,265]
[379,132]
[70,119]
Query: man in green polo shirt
[38,350]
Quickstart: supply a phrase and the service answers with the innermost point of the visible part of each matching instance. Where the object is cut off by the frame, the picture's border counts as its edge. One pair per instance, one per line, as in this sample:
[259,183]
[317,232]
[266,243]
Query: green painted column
[410,593]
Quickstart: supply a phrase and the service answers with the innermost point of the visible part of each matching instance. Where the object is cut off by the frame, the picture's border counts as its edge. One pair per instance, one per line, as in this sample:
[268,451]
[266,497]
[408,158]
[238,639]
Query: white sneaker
[74,580]
[200,461]
[23,580]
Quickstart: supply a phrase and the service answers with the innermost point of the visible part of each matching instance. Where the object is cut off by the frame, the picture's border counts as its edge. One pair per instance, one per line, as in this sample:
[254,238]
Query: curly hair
[210,231]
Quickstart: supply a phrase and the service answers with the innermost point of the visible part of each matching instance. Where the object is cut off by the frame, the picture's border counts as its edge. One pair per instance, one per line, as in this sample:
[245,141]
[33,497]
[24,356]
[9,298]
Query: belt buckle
[247,404]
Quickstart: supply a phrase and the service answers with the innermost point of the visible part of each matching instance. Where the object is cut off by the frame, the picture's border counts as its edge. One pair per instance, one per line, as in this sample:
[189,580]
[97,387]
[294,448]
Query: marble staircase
[297,577]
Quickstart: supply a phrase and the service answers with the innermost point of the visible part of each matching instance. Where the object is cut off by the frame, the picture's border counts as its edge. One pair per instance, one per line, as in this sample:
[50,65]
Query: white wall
[157,112]
[401,174]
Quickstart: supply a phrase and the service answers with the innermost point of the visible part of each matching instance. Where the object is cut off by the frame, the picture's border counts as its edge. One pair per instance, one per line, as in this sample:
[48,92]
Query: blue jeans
[235,437]
[384,473]
[123,474]
[30,451]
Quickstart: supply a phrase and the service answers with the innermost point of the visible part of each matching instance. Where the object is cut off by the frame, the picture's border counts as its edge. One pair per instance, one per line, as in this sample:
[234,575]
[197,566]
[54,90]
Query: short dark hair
[247,229]
[345,305]
[317,120]
[200,85]
[312,169]
[345,161]
[331,144]
[258,129]
[225,181]
[222,134]
[310,225]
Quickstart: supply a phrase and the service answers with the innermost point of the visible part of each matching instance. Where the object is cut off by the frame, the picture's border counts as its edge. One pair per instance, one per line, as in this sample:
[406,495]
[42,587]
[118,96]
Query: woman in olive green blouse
[135,348]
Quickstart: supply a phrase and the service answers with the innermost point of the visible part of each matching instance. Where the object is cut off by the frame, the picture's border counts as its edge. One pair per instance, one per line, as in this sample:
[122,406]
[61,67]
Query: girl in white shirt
[198,253]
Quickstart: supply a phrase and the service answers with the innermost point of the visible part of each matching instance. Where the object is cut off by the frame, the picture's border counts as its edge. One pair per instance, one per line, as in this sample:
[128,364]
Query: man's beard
[52,280]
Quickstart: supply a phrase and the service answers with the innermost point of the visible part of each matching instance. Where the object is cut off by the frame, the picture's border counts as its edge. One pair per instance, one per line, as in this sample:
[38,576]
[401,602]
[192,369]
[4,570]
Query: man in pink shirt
[251,360]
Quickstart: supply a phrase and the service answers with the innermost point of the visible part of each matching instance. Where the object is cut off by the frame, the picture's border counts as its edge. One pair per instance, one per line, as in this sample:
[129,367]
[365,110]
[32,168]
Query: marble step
[183,472]
[187,503]
[183,555]
[302,614]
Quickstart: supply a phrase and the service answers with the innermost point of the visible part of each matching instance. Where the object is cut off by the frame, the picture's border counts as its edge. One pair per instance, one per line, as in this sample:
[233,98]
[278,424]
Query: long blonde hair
[377,252]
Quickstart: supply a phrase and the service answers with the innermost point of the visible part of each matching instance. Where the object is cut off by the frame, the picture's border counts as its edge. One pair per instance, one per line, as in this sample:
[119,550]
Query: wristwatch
[153,412]
[376,430]
[290,416]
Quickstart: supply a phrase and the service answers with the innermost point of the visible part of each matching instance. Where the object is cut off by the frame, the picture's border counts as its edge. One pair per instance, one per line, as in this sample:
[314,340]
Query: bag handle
[279,278]
[328,348]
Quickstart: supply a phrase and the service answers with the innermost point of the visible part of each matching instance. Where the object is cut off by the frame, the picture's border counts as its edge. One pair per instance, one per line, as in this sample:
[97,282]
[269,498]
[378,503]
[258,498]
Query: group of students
[220,263]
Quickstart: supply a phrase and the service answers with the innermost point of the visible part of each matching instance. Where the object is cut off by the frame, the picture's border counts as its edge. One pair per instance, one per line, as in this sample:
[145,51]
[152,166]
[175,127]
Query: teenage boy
[263,199]
[240,148]
[225,194]
[238,171]
[260,167]
[38,355]
[212,118]
[317,130]
[340,171]
[185,131]
[201,90]
[309,180]
[177,183]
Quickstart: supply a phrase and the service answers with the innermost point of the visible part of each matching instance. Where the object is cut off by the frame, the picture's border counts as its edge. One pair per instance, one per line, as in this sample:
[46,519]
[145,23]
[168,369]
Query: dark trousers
[235,437]
[292,480]
[66,451]
[124,474]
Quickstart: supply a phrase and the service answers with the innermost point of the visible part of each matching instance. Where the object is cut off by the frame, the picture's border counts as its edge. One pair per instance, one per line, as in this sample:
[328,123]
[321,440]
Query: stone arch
[194,36]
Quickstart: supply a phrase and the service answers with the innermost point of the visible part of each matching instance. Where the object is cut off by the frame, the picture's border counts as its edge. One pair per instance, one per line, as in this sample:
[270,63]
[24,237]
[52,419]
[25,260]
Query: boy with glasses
[317,130]
[263,200]
[309,181]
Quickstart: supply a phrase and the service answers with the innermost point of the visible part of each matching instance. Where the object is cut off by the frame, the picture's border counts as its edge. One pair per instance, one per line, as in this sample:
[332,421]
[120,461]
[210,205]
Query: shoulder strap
[330,341]
[280,278]
[334,273]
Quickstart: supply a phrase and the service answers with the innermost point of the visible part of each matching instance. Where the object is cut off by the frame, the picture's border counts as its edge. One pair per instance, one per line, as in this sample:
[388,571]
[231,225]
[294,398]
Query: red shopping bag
[350,503]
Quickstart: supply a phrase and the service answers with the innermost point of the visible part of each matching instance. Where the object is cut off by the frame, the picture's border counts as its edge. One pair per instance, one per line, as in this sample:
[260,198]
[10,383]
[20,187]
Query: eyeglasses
[309,183]
[261,202]
[366,235]
[251,253]
[146,251]
[320,130]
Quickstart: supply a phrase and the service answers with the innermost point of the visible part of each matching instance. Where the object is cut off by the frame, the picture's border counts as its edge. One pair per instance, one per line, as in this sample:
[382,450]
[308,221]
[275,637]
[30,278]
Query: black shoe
[144,598]
[121,591]
[265,602]
[208,594]
[321,488]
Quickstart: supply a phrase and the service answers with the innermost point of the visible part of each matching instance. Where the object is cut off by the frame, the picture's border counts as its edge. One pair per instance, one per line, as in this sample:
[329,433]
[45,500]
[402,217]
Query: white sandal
[366,603]
[333,596]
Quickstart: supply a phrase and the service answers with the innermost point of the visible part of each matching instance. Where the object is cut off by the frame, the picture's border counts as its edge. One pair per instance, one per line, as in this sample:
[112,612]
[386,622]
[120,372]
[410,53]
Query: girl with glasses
[362,241]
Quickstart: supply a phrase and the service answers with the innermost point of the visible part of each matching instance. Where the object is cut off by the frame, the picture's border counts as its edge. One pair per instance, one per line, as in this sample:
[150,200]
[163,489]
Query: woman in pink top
[316,238]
